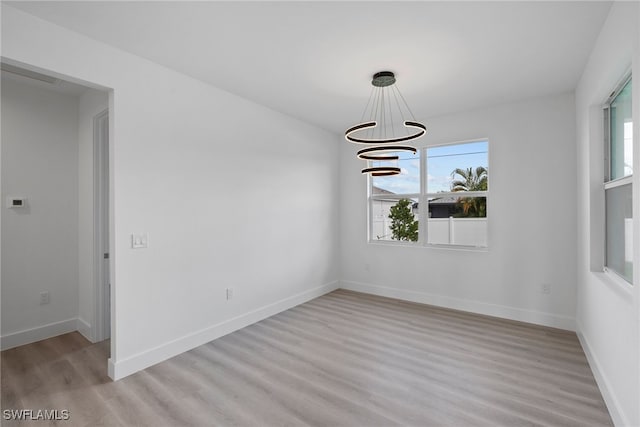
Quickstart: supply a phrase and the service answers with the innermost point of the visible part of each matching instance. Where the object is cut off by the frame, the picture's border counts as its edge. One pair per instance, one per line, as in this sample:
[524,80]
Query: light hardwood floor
[344,359]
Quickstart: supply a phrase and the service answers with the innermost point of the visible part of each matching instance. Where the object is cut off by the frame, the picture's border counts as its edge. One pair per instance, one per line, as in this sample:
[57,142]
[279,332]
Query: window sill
[458,247]
[429,246]
[615,283]
[395,243]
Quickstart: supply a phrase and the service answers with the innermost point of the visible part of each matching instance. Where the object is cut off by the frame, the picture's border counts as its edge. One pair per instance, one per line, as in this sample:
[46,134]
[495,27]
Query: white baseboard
[127,366]
[85,329]
[610,399]
[505,312]
[29,336]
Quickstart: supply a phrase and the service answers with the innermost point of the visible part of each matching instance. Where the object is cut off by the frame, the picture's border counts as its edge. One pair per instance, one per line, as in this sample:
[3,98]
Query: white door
[101,187]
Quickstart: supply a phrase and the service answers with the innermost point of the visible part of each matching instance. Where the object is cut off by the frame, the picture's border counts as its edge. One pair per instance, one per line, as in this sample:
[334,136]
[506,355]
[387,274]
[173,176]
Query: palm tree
[471,180]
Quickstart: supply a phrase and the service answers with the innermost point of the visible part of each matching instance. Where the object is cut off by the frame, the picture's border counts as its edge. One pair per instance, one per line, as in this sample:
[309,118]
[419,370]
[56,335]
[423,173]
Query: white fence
[457,231]
[442,231]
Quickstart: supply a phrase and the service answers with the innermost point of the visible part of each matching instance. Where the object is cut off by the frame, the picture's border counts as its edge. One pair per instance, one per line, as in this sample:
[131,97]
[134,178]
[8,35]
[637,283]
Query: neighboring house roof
[378,190]
[444,200]
[450,200]
[437,200]
[440,201]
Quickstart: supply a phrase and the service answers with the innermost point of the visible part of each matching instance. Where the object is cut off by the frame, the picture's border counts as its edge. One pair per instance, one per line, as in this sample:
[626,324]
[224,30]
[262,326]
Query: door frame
[102,312]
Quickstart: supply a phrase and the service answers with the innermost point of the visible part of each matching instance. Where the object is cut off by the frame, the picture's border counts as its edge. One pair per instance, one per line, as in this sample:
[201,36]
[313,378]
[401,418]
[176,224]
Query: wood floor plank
[344,359]
[469,343]
[404,368]
[483,377]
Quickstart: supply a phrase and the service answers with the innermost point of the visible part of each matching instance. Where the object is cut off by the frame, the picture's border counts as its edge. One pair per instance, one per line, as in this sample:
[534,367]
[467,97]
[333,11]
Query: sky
[441,161]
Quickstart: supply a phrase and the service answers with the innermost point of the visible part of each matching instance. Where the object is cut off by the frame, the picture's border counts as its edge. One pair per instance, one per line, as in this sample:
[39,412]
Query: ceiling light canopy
[389,121]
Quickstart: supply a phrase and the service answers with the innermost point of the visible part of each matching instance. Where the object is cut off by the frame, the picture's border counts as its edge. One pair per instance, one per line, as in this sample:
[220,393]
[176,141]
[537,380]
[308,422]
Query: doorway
[55,242]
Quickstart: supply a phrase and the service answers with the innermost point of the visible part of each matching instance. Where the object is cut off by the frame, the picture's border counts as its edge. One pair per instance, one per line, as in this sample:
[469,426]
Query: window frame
[423,206]
[607,128]
[609,183]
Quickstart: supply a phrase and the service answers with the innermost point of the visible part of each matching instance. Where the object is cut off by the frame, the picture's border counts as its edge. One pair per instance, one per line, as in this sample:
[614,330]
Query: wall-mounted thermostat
[16,202]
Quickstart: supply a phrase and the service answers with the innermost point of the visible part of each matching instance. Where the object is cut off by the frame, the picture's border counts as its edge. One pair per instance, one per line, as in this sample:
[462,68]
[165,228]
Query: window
[440,198]
[618,182]
[457,185]
[396,197]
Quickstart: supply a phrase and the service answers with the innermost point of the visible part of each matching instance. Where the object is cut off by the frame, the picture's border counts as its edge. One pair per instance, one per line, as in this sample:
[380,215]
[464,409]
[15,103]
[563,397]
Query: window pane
[458,167]
[619,230]
[621,134]
[395,219]
[455,220]
[408,182]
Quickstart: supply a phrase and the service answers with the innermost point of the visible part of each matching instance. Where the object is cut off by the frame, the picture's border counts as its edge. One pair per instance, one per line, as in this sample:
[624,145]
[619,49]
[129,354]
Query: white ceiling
[314,60]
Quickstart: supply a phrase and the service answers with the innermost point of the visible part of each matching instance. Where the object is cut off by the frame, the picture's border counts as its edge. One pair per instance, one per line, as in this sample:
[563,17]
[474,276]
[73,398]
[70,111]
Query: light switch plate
[139,241]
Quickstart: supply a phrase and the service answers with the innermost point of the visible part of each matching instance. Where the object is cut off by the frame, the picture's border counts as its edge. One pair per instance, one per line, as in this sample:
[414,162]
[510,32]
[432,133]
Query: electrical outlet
[545,288]
[44,298]
[16,202]
[229,293]
[139,241]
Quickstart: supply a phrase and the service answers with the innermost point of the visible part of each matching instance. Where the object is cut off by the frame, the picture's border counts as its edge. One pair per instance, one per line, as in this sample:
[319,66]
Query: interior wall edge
[84,328]
[607,391]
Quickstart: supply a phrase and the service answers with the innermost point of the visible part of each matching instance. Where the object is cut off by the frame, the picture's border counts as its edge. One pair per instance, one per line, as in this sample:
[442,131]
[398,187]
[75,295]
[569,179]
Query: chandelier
[389,122]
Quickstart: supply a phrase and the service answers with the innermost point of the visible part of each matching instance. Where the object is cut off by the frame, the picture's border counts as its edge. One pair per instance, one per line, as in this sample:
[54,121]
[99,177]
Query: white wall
[531,228]
[607,311]
[231,194]
[90,104]
[39,242]
[234,194]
